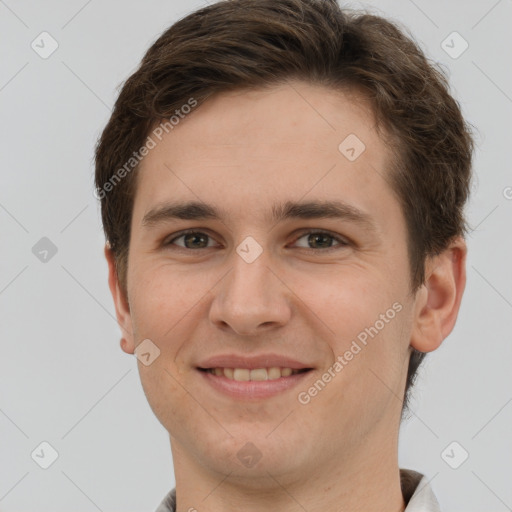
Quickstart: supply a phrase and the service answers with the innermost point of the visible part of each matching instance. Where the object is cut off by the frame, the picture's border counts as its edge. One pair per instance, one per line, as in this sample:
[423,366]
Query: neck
[367,480]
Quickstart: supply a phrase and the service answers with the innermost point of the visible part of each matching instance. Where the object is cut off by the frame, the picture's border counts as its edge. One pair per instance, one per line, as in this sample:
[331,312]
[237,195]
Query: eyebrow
[196,210]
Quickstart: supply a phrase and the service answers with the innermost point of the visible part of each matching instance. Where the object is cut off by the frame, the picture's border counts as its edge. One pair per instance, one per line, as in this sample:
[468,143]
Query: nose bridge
[249,297]
[249,284]
[250,274]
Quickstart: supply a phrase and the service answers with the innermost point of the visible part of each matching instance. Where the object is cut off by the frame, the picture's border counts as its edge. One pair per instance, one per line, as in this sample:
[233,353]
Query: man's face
[216,307]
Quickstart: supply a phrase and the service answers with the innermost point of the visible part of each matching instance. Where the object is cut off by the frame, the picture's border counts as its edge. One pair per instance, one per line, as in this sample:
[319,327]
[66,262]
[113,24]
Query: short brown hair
[236,44]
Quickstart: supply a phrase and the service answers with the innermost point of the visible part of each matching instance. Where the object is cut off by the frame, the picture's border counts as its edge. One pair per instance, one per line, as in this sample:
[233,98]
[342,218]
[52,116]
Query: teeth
[241,374]
[259,374]
[274,373]
[244,374]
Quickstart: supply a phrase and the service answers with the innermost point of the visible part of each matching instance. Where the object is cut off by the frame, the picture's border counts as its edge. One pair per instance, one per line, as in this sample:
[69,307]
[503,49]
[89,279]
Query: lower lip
[252,389]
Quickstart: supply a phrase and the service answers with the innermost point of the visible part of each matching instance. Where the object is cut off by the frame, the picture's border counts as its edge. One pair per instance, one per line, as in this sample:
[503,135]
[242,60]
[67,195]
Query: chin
[252,455]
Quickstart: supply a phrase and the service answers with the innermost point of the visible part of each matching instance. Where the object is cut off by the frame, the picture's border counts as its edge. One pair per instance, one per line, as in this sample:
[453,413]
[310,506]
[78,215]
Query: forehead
[253,148]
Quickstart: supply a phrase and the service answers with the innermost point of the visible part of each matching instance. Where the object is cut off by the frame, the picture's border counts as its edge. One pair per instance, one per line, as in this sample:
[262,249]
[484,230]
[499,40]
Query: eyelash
[342,242]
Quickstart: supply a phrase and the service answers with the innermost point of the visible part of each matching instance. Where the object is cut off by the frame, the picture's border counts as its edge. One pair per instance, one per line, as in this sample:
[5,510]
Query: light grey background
[63,376]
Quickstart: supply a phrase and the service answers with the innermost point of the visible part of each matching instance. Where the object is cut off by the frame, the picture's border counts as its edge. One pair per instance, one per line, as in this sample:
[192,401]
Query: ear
[438,300]
[121,304]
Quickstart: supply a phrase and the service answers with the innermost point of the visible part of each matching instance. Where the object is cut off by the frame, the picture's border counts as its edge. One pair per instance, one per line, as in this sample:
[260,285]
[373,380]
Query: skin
[243,152]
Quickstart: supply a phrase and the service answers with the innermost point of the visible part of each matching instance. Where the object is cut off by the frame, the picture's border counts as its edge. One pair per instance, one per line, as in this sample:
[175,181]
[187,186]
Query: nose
[251,299]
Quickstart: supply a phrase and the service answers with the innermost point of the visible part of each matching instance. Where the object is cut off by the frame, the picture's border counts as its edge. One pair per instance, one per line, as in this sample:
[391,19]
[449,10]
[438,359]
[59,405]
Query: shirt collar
[416,490]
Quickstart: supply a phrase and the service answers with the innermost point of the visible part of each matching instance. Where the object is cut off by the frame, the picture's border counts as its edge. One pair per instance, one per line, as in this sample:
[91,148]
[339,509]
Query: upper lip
[252,362]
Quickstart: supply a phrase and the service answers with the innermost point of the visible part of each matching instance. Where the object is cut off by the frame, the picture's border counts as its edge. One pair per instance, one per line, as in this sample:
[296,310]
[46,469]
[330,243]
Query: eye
[191,240]
[321,240]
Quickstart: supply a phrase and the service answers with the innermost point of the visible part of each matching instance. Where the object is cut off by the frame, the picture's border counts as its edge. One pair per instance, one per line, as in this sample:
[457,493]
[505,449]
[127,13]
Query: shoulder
[168,504]
[417,492]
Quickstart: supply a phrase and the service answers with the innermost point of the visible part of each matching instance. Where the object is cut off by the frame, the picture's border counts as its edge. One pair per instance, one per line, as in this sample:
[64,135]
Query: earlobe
[126,347]
[121,304]
[438,300]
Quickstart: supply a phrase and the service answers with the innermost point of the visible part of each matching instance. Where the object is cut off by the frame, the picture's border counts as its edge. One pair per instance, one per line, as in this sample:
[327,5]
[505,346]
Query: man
[282,188]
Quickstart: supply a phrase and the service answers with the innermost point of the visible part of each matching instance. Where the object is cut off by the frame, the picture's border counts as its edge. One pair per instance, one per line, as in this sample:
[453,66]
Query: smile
[257,374]
[252,378]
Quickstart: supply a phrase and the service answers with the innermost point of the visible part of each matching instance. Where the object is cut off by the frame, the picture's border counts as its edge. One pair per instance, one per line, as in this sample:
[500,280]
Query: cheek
[171,403]
[376,358]
[163,299]
[367,323]
[164,308]
[369,367]
[346,300]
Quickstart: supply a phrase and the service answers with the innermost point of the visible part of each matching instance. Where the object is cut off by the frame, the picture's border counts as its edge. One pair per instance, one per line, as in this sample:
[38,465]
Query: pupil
[191,237]
[318,236]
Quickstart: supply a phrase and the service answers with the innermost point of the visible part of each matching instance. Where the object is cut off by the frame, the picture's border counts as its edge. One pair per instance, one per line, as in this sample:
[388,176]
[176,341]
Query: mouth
[252,378]
[254,375]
